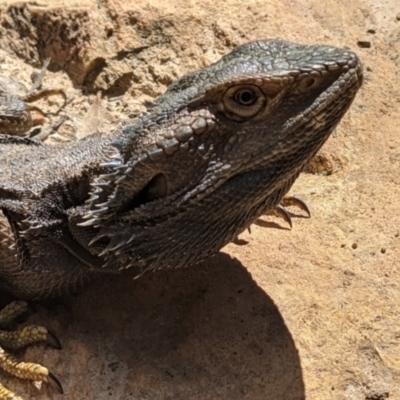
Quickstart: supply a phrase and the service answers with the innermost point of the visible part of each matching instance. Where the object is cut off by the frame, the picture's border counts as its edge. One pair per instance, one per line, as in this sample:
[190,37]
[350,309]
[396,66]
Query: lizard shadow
[205,332]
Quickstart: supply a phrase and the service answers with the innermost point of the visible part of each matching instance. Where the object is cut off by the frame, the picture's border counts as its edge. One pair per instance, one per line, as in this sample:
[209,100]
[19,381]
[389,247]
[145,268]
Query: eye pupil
[245,97]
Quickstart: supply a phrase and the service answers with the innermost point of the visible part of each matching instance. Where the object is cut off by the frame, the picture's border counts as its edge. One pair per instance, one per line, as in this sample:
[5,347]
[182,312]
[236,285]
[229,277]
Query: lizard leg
[21,338]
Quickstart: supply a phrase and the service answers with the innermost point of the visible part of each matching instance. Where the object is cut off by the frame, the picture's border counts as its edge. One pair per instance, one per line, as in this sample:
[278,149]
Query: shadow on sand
[205,332]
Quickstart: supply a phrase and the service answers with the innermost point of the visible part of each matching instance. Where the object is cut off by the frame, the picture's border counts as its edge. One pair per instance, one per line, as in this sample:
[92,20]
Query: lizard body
[220,148]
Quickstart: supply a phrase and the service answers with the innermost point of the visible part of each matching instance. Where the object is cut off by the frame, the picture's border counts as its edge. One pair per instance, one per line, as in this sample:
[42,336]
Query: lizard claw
[21,338]
[52,340]
[297,202]
[281,212]
[55,383]
[288,201]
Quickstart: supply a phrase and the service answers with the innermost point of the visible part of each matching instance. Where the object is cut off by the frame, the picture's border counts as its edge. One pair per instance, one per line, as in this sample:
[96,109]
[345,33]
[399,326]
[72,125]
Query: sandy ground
[309,313]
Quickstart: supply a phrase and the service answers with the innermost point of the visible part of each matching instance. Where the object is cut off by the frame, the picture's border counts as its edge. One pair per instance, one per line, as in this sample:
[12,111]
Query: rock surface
[308,313]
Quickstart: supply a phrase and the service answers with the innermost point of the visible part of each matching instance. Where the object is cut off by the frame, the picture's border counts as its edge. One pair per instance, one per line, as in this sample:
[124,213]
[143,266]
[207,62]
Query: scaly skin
[220,148]
[234,138]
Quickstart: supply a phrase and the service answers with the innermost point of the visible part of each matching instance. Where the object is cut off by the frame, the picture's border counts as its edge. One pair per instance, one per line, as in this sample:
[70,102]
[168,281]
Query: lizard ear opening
[157,188]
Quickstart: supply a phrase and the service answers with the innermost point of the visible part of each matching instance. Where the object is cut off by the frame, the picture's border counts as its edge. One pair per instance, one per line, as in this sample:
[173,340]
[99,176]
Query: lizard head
[219,148]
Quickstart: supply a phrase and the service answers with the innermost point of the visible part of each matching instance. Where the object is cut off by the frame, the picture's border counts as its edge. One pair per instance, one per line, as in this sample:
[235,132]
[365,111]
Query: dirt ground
[308,313]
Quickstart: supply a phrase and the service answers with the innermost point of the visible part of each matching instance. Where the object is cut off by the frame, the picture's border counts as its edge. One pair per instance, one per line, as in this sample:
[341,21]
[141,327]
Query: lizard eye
[244,101]
[245,97]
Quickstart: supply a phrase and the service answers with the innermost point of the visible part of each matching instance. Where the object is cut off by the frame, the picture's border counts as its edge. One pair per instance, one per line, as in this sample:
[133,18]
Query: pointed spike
[124,169]
[90,204]
[119,180]
[115,243]
[101,185]
[131,239]
[110,177]
[106,264]
[101,212]
[99,236]
[90,222]
[110,266]
[138,275]
[94,198]
[111,164]
[102,205]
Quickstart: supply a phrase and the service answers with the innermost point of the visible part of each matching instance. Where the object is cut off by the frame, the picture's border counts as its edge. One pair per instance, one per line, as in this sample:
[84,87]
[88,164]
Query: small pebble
[354,245]
[364,43]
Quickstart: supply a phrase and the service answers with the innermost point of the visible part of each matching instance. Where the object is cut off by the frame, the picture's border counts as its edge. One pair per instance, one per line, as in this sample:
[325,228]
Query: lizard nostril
[308,82]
